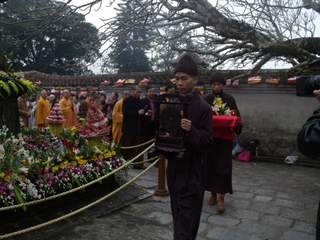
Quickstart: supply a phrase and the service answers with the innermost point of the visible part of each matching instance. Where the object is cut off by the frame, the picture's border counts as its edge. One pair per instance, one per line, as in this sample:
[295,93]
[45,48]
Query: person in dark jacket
[132,110]
[185,170]
[146,120]
[309,145]
[219,165]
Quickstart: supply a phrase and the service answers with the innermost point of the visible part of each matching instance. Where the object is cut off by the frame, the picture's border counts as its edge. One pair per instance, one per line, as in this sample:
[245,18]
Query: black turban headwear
[217,77]
[187,65]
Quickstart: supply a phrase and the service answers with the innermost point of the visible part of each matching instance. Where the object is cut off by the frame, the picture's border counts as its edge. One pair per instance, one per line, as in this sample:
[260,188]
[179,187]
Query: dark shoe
[220,203]
[212,200]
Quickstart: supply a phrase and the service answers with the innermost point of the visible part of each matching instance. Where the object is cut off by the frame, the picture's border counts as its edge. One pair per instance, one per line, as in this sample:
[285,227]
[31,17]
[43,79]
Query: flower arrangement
[224,120]
[221,108]
[36,164]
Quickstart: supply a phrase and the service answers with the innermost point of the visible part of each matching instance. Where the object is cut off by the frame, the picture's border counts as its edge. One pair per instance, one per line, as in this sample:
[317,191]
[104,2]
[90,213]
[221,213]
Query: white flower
[32,190]
[228,112]
[215,109]
[2,151]
[97,150]
[15,140]
[24,170]
[30,159]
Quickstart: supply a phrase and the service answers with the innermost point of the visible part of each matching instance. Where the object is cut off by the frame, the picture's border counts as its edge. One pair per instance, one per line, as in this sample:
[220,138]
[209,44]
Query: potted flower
[224,120]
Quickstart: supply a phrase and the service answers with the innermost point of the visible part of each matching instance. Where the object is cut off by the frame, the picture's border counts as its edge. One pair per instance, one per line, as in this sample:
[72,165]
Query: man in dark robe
[219,164]
[147,120]
[132,110]
[185,171]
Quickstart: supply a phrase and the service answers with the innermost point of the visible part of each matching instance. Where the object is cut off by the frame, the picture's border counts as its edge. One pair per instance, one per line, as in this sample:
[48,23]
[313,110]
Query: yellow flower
[107,154]
[7,178]
[82,162]
[217,101]
[64,164]
[25,162]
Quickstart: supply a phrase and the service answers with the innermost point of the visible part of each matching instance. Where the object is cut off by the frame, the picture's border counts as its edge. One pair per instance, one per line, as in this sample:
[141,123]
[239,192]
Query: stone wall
[158,78]
[273,115]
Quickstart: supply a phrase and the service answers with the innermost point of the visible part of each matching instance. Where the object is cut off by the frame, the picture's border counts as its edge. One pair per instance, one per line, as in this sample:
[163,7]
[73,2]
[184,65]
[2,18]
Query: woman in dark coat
[219,164]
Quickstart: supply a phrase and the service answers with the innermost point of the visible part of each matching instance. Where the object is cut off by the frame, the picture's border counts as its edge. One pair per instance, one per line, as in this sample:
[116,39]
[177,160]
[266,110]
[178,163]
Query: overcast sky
[105,12]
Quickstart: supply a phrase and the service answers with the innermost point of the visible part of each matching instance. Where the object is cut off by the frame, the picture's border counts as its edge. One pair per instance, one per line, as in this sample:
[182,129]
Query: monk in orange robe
[68,110]
[117,119]
[42,110]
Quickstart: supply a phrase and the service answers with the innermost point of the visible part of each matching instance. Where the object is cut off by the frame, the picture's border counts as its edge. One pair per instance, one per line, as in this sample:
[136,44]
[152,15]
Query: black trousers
[219,167]
[186,194]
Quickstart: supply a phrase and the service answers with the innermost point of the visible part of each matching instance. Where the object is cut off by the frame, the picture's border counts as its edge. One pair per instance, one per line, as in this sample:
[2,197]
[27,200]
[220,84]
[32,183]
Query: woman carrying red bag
[219,164]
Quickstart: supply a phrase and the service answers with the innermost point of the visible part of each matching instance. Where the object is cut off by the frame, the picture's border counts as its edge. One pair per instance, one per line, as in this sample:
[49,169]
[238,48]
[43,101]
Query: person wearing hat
[185,170]
[219,165]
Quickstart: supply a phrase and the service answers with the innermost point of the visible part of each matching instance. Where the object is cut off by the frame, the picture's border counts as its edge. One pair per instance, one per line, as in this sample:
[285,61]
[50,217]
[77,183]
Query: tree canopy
[240,32]
[130,45]
[47,36]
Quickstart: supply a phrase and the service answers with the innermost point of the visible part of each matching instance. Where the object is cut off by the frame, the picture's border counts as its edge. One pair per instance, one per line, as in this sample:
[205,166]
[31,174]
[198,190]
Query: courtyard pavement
[270,202]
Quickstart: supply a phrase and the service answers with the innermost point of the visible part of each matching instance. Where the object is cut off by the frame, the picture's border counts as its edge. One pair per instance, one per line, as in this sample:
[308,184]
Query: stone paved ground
[270,202]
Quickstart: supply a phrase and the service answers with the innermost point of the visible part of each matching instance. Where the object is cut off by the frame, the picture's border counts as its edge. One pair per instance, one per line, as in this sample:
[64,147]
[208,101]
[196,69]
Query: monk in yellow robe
[42,110]
[117,119]
[68,110]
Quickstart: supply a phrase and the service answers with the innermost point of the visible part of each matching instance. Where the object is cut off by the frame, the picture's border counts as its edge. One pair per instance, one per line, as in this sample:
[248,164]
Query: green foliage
[129,53]
[13,85]
[45,35]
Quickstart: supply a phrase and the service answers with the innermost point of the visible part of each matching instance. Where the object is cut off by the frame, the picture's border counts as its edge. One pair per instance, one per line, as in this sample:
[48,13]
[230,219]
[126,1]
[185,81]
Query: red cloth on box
[223,126]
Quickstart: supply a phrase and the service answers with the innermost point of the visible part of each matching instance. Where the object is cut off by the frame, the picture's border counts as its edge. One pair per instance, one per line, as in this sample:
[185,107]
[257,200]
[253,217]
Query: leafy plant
[13,85]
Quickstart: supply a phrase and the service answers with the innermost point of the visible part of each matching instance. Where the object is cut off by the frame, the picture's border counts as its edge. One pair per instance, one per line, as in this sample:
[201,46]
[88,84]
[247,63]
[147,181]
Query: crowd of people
[206,163]
[34,110]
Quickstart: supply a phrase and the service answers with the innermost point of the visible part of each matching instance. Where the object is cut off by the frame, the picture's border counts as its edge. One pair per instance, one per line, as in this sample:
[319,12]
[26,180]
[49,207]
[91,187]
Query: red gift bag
[223,126]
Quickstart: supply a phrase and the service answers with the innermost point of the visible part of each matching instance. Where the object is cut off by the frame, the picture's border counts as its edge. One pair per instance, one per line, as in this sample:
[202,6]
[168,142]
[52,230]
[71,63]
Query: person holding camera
[309,145]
